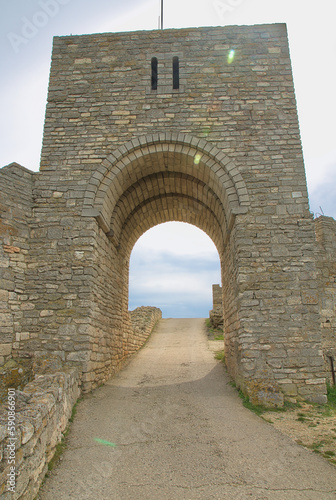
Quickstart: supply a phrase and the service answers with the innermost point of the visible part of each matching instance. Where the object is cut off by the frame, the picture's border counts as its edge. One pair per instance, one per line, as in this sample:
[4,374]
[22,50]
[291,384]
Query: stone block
[309,297]
[265,393]
[78,356]
[5,349]
[288,388]
[27,431]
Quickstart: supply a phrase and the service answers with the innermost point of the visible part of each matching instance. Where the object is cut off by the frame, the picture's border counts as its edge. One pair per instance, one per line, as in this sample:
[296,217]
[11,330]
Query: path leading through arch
[169,426]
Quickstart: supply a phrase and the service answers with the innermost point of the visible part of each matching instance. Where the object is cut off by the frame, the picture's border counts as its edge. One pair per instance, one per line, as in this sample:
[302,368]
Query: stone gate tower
[196,125]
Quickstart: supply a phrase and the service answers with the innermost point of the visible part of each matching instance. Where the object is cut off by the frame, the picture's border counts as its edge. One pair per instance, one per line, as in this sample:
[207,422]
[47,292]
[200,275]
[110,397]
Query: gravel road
[169,426]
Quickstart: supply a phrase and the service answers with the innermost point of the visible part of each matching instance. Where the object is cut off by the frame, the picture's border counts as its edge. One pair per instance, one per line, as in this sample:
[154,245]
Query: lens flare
[197,159]
[103,441]
[206,131]
[231,56]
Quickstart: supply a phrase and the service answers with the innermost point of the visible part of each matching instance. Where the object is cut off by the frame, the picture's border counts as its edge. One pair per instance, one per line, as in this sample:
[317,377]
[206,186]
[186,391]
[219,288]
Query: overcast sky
[26,31]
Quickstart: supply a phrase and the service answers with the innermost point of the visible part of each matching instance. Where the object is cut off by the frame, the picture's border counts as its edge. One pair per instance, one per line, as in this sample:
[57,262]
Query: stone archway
[175,177]
[166,154]
[156,179]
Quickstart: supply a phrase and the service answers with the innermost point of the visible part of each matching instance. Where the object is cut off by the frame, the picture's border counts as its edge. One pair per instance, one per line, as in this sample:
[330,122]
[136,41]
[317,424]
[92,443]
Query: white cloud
[175,282]
[24,122]
[141,17]
[180,238]
[320,169]
[173,266]
[321,179]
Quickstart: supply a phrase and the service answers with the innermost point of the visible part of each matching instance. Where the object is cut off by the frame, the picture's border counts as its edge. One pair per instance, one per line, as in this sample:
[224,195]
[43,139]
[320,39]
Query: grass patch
[328,454]
[260,409]
[329,409]
[315,447]
[60,447]
[74,411]
[331,395]
[214,333]
[301,419]
[288,405]
[220,355]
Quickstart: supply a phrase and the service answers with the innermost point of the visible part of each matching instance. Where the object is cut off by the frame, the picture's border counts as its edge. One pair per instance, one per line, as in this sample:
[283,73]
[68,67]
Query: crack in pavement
[225,483]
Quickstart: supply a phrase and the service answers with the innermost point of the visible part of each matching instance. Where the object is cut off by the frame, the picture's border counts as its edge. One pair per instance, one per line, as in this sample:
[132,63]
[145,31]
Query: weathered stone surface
[222,152]
[216,314]
[15,374]
[143,320]
[326,262]
[40,419]
[263,393]
[43,406]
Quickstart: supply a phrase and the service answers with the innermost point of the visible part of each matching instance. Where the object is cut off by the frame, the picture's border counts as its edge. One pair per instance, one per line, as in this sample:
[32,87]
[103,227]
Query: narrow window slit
[154,73]
[176,73]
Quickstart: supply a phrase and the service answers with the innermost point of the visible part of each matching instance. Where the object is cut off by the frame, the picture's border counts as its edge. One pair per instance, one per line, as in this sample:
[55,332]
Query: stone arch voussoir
[108,182]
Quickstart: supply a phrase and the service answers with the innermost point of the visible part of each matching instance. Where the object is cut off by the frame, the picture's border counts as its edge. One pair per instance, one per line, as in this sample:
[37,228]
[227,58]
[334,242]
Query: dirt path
[177,430]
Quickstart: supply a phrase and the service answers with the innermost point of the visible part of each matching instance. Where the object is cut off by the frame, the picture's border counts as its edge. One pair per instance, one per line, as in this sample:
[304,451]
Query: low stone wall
[28,439]
[216,318]
[16,373]
[216,314]
[32,420]
[143,320]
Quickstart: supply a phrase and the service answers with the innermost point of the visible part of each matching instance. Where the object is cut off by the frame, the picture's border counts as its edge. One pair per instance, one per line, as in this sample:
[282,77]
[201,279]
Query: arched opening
[150,181]
[173,267]
[175,177]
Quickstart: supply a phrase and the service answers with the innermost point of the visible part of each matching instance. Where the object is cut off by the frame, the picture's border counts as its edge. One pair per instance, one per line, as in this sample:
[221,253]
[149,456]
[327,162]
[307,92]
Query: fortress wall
[16,202]
[326,262]
[226,143]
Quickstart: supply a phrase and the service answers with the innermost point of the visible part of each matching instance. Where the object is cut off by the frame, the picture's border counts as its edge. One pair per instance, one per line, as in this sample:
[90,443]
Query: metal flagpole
[162,14]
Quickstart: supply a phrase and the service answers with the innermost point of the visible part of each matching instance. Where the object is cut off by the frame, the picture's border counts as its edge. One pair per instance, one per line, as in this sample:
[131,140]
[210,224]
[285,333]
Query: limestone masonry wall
[326,261]
[222,152]
[143,321]
[216,314]
[42,411]
[217,297]
[16,188]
